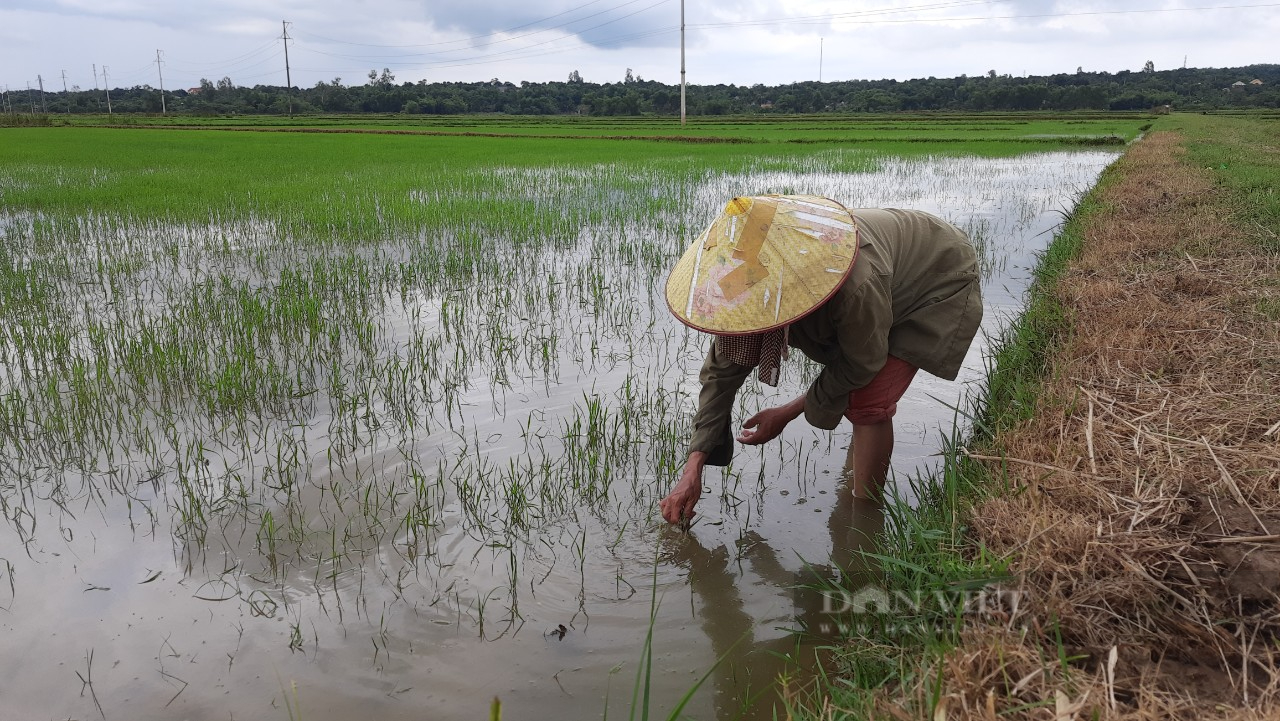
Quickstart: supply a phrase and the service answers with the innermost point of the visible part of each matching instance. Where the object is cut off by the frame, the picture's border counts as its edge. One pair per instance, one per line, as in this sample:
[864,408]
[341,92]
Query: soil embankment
[1143,501]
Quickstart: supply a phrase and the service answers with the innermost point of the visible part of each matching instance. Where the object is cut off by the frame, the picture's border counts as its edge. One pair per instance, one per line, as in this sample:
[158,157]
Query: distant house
[1238,85]
[1255,81]
[766,106]
[194,91]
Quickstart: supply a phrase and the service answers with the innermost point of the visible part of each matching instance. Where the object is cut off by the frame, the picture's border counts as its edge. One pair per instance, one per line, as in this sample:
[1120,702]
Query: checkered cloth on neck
[765,350]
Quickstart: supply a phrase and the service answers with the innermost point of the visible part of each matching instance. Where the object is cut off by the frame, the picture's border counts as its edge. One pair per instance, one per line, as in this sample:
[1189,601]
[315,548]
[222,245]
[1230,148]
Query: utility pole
[288,90]
[161,73]
[820,41]
[43,107]
[31,99]
[106,86]
[66,96]
[682,62]
[95,86]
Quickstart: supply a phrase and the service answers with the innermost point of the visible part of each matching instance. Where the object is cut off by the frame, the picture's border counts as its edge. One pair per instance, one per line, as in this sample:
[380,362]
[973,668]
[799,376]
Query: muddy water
[499,539]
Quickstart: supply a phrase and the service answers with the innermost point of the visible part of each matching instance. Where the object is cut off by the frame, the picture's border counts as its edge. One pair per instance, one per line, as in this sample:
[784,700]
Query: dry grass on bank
[1146,515]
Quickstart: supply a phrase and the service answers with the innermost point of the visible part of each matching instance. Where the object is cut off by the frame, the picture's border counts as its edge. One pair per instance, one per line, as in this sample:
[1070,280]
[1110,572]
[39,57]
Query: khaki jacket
[913,293]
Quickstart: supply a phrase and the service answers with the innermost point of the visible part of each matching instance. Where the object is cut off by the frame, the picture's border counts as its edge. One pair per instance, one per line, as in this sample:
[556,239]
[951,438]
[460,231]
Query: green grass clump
[21,120]
[1244,154]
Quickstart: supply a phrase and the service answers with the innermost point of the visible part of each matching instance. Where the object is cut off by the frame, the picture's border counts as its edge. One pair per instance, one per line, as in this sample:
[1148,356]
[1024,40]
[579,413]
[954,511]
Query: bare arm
[769,423]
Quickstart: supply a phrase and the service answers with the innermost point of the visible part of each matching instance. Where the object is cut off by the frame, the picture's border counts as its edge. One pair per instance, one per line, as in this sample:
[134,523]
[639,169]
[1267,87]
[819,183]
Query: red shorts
[878,401]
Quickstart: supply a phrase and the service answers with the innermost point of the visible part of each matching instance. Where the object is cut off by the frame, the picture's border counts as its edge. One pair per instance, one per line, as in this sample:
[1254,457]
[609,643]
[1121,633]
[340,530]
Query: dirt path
[1145,511]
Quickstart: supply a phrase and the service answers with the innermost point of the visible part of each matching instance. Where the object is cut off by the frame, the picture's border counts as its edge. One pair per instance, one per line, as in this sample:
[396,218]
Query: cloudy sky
[728,41]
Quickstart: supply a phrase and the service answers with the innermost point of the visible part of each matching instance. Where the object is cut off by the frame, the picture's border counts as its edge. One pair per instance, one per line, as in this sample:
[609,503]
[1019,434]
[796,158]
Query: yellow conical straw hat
[767,261]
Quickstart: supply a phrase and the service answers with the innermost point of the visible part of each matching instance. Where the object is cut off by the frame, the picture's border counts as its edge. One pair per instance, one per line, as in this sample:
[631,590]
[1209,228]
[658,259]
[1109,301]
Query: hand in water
[677,507]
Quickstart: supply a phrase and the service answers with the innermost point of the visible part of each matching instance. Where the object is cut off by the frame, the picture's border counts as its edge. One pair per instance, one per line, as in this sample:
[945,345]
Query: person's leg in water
[872,453]
[871,410]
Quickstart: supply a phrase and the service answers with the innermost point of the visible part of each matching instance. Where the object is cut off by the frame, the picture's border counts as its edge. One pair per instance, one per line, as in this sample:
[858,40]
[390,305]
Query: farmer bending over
[872,295]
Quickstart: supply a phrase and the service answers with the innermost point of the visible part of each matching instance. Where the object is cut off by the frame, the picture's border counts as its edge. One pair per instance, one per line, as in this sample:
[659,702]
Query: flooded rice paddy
[250,474]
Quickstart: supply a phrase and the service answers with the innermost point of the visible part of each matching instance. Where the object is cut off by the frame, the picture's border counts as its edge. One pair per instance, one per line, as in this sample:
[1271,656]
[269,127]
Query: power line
[269,73]
[196,68]
[143,71]
[239,71]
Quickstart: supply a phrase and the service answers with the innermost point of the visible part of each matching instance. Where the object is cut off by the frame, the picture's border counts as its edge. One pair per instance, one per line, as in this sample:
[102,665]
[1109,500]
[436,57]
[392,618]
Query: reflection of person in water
[872,295]
[747,678]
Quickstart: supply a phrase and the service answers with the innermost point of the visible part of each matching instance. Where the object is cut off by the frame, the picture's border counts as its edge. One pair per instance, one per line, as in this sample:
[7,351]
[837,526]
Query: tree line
[1253,86]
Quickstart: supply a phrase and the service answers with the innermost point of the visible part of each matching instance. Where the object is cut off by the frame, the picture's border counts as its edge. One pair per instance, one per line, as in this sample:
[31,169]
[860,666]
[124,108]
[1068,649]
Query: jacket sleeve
[862,322]
[721,379]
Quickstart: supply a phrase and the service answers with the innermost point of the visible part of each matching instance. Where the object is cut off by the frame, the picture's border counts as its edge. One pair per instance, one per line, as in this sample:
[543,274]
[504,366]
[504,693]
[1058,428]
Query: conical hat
[767,261]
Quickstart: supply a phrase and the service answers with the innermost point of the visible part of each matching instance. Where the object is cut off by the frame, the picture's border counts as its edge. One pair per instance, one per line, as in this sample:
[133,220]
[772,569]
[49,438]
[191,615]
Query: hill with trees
[1254,86]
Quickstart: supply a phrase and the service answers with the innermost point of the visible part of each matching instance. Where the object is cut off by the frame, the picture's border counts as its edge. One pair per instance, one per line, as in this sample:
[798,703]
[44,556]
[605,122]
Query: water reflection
[755,675]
